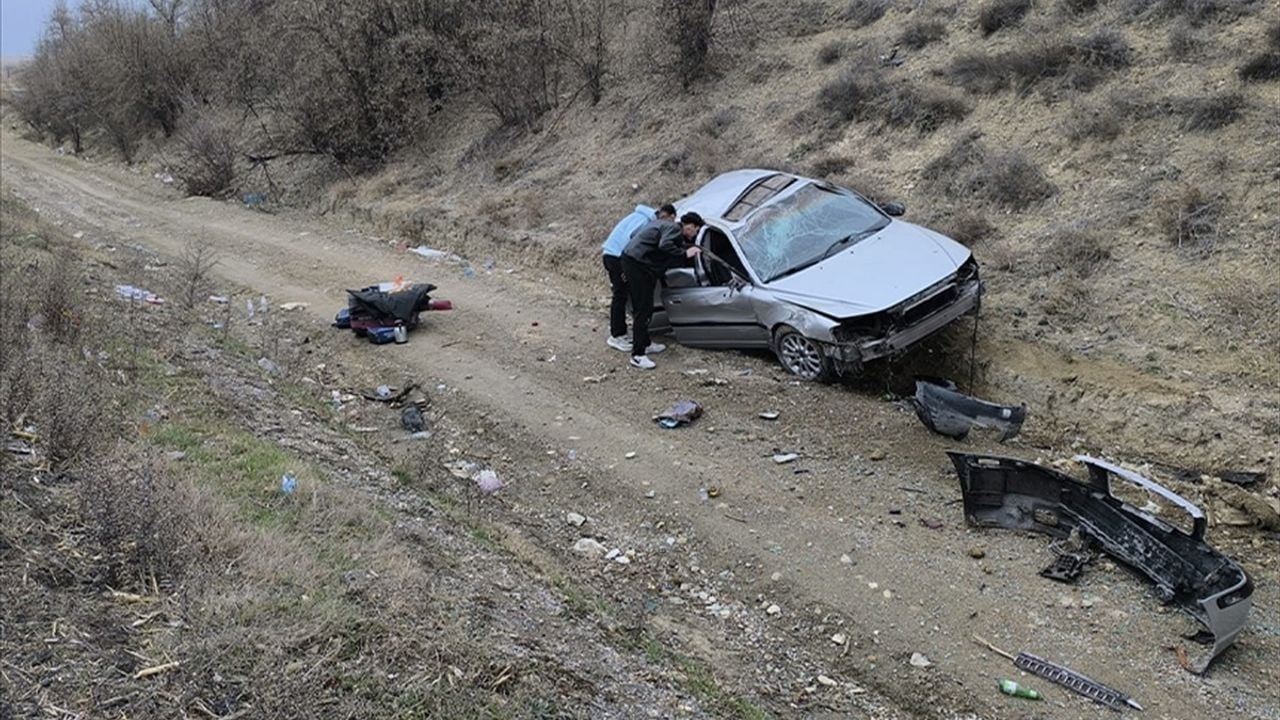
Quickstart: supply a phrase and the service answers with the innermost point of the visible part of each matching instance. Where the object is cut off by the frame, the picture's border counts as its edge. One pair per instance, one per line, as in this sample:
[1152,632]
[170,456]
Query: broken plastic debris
[288,483]
[129,292]
[488,482]
[947,412]
[219,299]
[432,253]
[291,306]
[784,458]
[769,415]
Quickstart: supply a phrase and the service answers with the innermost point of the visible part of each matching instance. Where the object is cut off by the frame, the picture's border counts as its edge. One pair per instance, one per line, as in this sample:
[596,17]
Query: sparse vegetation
[1185,43]
[970,170]
[1196,12]
[1077,250]
[831,53]
[920,33]
[1079,7]
[1210,112]
[860,94]
[1079,64]
[997,15]
[967,227]
[1264,65]
[1191,219]
[861,13]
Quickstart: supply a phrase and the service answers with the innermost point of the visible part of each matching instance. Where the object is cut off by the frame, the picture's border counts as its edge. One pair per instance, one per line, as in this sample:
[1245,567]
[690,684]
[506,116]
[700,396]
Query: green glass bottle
[1009,687]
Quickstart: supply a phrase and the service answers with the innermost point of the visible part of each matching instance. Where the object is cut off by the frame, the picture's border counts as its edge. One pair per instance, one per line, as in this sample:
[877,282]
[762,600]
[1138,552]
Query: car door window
[715,273]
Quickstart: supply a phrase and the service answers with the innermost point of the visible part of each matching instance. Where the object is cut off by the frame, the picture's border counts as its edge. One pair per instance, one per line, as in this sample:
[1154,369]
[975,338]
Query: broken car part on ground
[948,412]
[1010,493]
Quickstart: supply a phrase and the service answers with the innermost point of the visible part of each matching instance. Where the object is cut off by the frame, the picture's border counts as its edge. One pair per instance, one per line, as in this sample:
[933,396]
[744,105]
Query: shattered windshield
[803,228]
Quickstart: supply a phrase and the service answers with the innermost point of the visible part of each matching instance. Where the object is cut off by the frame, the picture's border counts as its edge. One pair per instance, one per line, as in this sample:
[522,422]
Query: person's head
[690,224]
[667,212]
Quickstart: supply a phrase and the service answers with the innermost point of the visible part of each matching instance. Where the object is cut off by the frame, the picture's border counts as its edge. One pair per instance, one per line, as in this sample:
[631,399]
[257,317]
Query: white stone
[575,519]
[590,547]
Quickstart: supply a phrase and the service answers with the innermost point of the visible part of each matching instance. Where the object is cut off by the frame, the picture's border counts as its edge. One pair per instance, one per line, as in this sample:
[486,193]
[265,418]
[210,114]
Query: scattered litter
[839,639]
[488,482]
[715,382]
[931,523]
[291,306]
[422,435]
[219,299]
[773,610]
[946,411]
[571,455]
[248,307]
[920,661]
[744,373]
[253,199]
[288,483]
[432,253]
[593,379]
[784,458]
[630,456]
[388,394]
[769,415]
[468,271]
[682,412]
[384,391]
[696,372]
[269,366]
[826,681]
[129,292]
[1243,478]
[176,456]
[613,554]
[1065,677]
[1009,687]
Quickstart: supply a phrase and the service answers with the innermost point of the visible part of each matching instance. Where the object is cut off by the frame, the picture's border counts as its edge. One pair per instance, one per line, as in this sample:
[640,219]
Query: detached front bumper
[965,299]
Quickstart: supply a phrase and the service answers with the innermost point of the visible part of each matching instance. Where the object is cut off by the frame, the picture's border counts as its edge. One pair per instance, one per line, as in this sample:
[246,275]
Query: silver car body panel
[900,267]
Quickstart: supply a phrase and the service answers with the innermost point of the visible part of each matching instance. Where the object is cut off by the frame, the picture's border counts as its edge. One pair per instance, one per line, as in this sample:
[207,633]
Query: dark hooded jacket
[658,244]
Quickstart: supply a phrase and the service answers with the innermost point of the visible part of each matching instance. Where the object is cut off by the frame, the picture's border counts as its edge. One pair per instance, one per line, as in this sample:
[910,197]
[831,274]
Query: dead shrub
[852,96]
[1079,7]
[687,30]
[1000,14]
[207,154]
[1261,67]
[978,72]
[969,170]
[1104,49]
[718,122]
[1068,297]
[920,33]
[830,165]
[1078,64]
[1075,250]
[924,108]
[1102,123]
[966,227]
[195,272]
[831,53]
[1184,42]
[861,13]
[1190,219]
[1209,112]
[1196,12]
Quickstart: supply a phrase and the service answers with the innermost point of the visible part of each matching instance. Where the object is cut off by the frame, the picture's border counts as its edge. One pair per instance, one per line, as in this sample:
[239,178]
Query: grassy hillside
[1114,165]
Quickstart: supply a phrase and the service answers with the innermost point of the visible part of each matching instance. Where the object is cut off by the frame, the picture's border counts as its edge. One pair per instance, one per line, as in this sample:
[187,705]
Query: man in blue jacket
[612,248]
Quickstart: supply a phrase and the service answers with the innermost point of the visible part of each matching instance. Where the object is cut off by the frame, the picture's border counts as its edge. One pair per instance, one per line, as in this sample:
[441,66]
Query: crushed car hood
[876,273]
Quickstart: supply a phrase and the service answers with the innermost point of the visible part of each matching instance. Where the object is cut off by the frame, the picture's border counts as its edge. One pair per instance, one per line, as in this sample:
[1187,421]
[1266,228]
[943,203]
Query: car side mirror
[894,209]
[681,278]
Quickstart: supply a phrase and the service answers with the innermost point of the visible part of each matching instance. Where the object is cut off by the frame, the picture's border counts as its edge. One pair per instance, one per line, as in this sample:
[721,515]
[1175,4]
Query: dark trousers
[618,303]
[641,281]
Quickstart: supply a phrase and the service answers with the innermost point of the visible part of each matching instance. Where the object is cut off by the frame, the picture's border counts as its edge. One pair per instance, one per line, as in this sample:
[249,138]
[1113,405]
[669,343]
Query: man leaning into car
[653,249]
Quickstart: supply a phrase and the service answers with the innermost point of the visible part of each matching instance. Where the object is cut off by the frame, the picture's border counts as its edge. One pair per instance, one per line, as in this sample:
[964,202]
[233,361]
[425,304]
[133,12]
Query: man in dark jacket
[654,248]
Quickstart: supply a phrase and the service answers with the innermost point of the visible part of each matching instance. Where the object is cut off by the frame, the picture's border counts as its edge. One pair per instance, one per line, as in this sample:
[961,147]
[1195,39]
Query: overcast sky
[21,24]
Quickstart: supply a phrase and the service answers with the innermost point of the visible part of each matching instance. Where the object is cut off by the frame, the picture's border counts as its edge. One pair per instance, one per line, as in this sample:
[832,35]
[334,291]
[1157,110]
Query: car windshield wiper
[831,250]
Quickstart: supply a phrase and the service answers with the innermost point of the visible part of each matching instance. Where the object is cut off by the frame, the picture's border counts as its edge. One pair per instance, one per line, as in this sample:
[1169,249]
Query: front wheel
[802,356]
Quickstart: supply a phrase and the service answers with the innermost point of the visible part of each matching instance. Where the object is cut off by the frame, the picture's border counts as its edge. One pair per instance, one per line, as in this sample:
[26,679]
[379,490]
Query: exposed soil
[837,540]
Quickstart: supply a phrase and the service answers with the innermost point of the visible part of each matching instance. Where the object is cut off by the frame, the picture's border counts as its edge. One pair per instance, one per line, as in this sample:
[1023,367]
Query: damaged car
[1187,572]
[817,273]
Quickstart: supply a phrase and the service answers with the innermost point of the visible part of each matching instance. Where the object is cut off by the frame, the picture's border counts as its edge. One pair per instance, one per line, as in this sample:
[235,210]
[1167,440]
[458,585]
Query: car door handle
[675,301]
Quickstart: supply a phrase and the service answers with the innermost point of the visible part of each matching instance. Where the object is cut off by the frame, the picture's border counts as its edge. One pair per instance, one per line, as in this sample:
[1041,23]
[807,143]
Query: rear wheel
[802,356]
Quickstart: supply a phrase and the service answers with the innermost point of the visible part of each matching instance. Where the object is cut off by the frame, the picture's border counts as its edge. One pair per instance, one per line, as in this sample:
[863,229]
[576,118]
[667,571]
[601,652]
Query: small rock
[622,560]
[839,638]
[1066,601]
[776,577]
[770,415]
[846,560]
[590,547]
[977,553]
[269,366]
[824,680]
[876,455]
[920,661]
[773,609]
[784,458]
[575,519]
[176,455]
[630,455]
[614,553]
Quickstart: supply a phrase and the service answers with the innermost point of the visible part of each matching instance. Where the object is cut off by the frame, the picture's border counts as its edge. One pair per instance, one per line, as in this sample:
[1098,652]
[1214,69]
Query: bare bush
[1106,119]
[688,29]
[1077,250]
[1261,67]
[969,170]
[1185,43]
[1190,219]
[719,122]
[859,95]
[919,33]
[1207,113]
[967,227]
[1078,64]
[1196,12]
[861,13]
[831,52]
[195,272]
[997,15]
[206,162]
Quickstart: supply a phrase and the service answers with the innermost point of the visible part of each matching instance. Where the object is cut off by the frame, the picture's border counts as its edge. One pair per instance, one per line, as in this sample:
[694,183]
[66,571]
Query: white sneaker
[654,348]
[643,362]
[620,343]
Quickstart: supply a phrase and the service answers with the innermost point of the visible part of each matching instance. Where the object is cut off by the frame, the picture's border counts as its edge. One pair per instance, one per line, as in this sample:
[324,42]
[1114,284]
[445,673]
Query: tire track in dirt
[910,589]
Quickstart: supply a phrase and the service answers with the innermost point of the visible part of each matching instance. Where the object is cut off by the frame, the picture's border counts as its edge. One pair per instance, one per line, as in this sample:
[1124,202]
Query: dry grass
[920,33]
[1208,112]
[967,227]
[968,170]
[1078,64]
[861,13]
[1079,251]
[997,15]
[862,94]
[1191,219]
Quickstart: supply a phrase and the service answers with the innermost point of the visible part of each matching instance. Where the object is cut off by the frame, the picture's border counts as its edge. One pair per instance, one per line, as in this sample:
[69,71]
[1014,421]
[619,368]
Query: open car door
[710,304]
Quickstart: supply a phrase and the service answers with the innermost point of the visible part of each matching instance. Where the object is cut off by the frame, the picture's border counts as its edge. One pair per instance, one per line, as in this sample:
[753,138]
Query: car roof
[713,200]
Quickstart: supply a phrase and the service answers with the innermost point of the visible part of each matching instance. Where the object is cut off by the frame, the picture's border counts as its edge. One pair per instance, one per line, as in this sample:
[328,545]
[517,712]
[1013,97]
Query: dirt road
[839,542]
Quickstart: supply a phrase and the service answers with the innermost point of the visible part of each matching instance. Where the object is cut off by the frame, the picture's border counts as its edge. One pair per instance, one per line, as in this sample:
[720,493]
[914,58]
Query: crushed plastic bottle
[1009,687]
[469,271]
[288,483]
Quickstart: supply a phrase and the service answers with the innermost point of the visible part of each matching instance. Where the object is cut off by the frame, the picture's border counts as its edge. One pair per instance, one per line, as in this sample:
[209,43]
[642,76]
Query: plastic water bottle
[1009,687]
[288,483]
